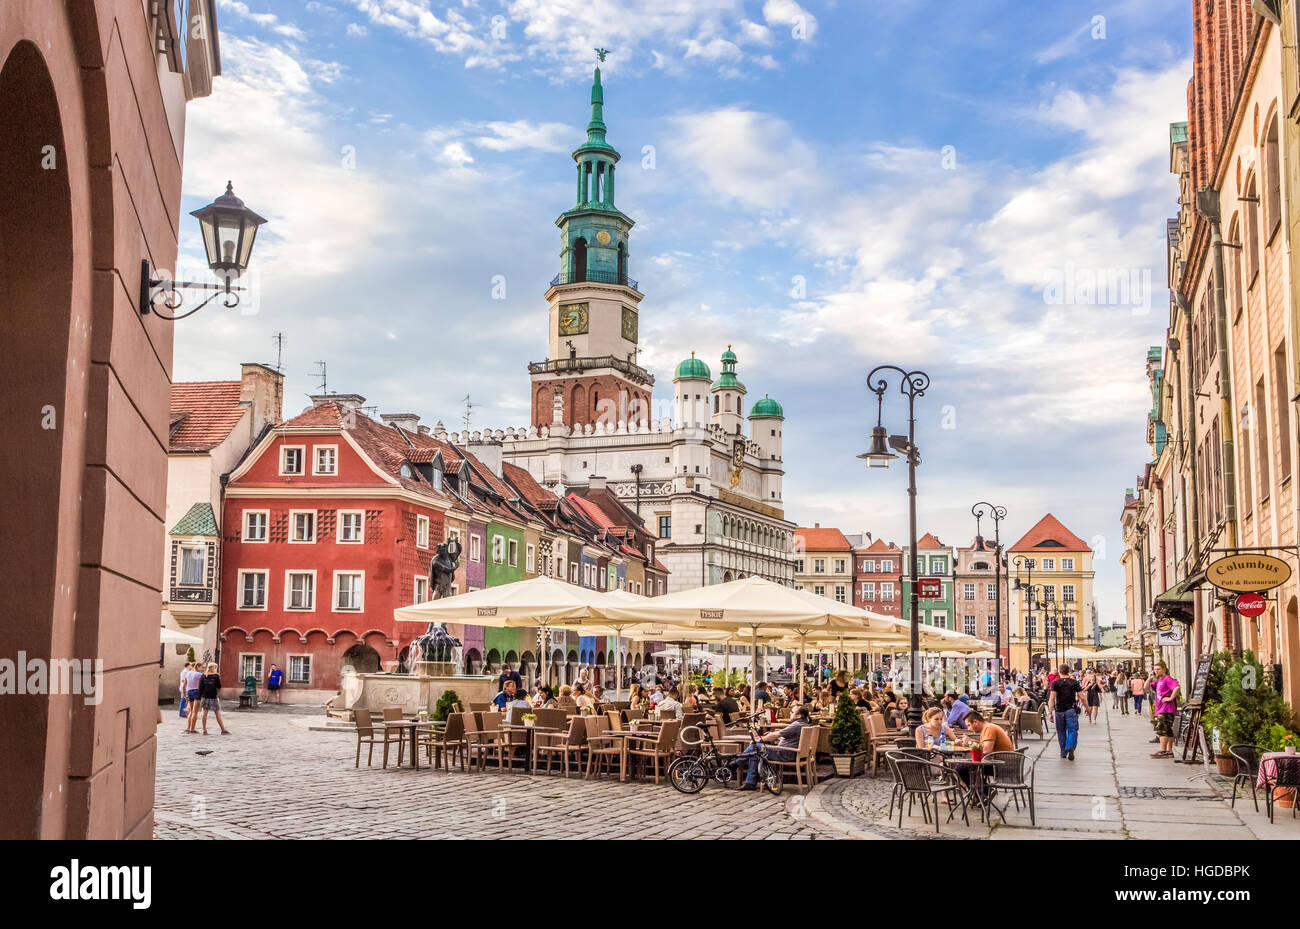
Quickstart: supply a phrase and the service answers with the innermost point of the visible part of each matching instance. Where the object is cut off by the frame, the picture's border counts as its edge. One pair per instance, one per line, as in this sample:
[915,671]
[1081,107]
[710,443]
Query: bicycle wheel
[687,775]
[770,777]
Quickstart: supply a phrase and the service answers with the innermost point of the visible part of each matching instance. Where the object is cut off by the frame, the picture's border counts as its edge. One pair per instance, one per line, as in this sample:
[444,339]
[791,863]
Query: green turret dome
[767,408]
[728,379]
[729,355]
[692,367]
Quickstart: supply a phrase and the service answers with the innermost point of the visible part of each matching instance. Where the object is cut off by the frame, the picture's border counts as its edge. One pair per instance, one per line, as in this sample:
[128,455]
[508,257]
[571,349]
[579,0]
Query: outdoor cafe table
[1267,768]
[412,726]
[529,738]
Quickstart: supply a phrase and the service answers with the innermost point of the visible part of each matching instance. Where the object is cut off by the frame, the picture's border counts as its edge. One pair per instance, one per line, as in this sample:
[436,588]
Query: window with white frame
[798,566]
[819,590]
[350,522]
[1049,593]
[512,556]
[990,626]
[348,589]
[938,565]
[475,548]
[300,590]
[940,620]
[968,624]
[530,559]
[1067,593]
[1067,564]
[968,591]
[840,565]
[886,567]
[422,531]
[868,590]
[573,572]
[255,525]
[638,588]
[498,549]
[421,589]
[250,666]
[1032,624]
[819,566]
[1049,564]
[327,459]
[887,591]
[252,590]
[300,669]
[840,593]
[193,560]
[291,459]
[1067,626]
[302,525]
[868,567]
[990,591]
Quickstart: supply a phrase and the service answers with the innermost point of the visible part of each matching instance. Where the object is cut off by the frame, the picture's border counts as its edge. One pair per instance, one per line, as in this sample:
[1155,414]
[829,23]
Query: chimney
[817,525]
[424,430]
[595,482]
[407,421]
[347,401]
[262,389]
[439,430]
[489,453]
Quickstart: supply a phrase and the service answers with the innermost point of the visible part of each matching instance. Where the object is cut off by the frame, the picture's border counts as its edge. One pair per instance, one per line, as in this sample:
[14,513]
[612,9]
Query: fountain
[432,663]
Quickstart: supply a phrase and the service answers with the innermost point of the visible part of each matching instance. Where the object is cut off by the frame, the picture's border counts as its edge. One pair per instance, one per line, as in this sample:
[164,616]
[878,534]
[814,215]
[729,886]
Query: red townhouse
[328,527]
[877,578]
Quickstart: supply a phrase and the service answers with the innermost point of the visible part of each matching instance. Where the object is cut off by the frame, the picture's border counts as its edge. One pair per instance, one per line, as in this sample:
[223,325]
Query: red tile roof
[1049,534]
[528,487]
[203,413]
[879,545]
[929,541]
[592,511]
[823,540]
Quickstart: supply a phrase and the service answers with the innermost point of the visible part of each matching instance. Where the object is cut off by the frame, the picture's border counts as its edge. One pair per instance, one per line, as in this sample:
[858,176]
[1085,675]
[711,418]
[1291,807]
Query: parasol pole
[802,635]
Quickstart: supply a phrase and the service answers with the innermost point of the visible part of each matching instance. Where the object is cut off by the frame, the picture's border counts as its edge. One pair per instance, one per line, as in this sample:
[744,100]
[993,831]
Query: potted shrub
[529,719]
[848,738]
[445,705]
[1211,722]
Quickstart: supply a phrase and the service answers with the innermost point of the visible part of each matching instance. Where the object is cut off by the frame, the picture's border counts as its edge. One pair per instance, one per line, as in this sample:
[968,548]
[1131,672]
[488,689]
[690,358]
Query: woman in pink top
[1138,687]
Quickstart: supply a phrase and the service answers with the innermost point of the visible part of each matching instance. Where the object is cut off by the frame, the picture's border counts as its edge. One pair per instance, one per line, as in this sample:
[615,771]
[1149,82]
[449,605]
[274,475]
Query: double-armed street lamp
[912,384]
[997,514]
[1027,589]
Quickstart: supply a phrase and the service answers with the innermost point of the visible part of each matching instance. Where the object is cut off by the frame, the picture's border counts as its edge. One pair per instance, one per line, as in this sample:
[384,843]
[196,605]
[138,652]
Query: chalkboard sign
[1197,695]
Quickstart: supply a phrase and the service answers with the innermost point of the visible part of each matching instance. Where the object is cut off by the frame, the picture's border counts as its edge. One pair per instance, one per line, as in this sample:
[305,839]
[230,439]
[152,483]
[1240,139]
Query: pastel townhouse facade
[213,425]
[877,576]
[938,561]
[824,563]
[92,145]
[1057,565]
[978,589]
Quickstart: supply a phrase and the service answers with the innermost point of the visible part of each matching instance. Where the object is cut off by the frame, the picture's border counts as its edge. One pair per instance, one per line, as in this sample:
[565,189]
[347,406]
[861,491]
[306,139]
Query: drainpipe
[1207,205]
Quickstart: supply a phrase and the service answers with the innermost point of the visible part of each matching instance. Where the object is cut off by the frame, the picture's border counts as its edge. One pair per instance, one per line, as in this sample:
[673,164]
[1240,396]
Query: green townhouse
[934,560]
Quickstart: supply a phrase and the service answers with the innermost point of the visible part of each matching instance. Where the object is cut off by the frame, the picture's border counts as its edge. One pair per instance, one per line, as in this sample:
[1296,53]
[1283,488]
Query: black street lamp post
[997,513]
[912,384]
[1027,587]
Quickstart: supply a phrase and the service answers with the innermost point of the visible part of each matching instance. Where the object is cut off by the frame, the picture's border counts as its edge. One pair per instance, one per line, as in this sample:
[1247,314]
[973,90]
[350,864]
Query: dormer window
[326,459]
[291,459]
[406,471]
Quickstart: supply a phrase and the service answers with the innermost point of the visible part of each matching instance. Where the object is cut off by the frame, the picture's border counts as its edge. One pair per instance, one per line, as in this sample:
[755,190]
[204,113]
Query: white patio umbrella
[537,603]
[174,636]
[1073,651]
[751,603]
[1116,653]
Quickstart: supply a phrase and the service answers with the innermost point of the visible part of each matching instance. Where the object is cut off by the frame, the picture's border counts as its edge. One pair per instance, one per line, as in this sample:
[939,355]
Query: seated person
[670,707]
[598,694]
[993,738]
[566,701]
[934,727]
[725,706]
[787,740]
[506,695]
[957,712]
[545,698]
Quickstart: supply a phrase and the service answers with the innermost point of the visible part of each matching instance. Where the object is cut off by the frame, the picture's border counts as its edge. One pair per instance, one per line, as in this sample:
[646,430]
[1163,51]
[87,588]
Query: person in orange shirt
[993,738]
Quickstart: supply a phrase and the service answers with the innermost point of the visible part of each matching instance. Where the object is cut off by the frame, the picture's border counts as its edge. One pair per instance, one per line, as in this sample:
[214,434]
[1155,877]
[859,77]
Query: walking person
[1092,690]
[1164,698]
[1138,687]
[1062,702]
[1121,692]
[209,697]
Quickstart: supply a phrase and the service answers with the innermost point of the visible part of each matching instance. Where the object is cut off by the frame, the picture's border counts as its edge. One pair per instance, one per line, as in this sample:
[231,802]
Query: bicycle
[688,773]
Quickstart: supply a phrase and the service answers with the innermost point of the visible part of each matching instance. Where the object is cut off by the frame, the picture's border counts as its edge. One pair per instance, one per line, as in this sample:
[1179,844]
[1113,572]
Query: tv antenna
[278,339]
[469,407]
[321,374]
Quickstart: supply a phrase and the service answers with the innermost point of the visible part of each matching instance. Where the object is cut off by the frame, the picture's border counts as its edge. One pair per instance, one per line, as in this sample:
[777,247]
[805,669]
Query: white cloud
[357,30]
[266,20]
[788,14]
[744,155]
[522,133]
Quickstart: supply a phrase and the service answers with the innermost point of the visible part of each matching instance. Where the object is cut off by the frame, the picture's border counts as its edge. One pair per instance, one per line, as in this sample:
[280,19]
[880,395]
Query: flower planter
[849,765]
[1226,764]
[1284,797]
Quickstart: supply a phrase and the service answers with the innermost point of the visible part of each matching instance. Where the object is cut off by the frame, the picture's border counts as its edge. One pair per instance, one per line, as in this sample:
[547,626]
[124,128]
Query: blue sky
[826,186]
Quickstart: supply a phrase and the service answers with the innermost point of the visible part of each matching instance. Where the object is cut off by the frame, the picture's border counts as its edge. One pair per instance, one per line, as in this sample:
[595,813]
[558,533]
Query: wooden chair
[567,745]
[881,740]
[601,748]
[479,742]
[615,720]
[654,747]
[508,739]
[366,736]
[448,742]
[479,707]
[804,761]
[635,713]
[1011,723]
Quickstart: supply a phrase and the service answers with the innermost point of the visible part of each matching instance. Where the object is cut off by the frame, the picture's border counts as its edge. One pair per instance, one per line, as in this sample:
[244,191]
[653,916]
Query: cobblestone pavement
[274,778]
[1113,790]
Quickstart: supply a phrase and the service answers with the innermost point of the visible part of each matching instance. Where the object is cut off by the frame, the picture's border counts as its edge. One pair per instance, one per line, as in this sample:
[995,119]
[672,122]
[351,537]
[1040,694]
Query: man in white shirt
[669,706]
[657,694]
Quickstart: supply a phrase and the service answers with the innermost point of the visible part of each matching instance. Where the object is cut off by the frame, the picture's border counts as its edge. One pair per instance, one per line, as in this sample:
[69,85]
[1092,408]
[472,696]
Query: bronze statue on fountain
[435,652]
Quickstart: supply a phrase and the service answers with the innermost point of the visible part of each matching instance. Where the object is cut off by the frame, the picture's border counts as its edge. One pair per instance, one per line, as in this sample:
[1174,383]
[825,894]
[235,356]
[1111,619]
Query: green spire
[596,128]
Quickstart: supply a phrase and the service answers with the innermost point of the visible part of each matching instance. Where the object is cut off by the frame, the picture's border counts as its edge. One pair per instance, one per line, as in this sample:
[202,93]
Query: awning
[1178,601]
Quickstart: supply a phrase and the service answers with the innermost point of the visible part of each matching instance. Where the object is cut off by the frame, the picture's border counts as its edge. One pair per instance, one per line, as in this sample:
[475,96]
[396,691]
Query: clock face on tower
[629,324]
[573,318]
[602,237]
